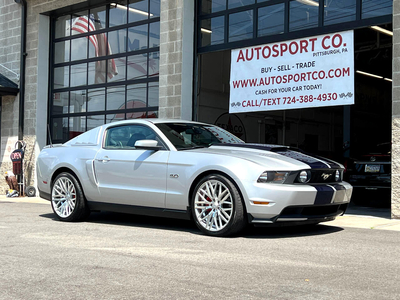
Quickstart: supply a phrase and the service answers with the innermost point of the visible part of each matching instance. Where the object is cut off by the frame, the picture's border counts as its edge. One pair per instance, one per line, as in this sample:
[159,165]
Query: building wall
[396,113]
[177,27]
[176,59]
[10,30]
[34,119]
[10,22]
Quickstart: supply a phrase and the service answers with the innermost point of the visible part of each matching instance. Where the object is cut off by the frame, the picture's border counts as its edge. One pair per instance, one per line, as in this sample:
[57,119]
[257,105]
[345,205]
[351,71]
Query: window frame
[359,22]
[145,110]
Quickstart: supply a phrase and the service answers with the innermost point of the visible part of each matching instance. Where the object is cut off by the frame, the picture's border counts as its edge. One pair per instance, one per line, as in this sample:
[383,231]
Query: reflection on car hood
[258,152]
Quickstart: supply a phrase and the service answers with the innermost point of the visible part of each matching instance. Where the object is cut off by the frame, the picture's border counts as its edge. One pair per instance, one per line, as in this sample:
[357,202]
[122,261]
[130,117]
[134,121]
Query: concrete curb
[352,219]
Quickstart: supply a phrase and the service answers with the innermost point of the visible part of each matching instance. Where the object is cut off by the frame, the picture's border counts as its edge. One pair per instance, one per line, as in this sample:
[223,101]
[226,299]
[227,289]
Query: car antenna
[48,129]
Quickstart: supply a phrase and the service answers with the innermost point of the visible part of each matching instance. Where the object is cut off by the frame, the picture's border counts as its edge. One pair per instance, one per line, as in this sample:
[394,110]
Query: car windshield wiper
[194,147]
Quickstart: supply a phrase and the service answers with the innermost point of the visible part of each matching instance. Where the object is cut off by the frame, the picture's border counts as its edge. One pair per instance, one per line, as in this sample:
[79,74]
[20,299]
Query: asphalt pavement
[120,256]
[356,216]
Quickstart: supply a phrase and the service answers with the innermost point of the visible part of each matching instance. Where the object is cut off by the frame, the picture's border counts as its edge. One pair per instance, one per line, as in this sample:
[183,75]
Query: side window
[125,137]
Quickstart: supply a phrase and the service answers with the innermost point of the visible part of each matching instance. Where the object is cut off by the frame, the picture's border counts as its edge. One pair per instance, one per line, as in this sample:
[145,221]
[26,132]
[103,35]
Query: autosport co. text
[292,48]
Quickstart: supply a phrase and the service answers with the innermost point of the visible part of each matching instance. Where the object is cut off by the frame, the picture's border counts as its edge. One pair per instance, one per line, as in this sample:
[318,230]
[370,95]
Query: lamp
[382,30]
[134,10]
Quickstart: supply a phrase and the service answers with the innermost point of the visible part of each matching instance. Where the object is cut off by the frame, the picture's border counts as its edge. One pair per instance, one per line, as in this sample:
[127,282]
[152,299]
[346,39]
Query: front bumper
[301,215]
[297,203]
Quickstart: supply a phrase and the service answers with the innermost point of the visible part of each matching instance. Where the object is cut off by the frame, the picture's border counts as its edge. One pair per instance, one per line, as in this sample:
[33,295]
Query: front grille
[317,176]
[313,211]
[323,176]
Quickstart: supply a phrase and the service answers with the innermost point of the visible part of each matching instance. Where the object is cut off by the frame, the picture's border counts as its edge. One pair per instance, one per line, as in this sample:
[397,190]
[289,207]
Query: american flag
[83,24]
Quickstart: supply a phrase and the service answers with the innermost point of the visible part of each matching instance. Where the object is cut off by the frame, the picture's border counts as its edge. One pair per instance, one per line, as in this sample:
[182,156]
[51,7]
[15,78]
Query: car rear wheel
[67,199]
[217,206]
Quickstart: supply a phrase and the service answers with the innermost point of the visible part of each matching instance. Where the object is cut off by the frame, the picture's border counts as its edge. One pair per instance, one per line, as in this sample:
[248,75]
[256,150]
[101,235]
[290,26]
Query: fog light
[337,175]
[304,176]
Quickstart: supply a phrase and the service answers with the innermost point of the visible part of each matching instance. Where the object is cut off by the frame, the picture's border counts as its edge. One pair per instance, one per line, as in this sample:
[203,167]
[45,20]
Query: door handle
[104,159]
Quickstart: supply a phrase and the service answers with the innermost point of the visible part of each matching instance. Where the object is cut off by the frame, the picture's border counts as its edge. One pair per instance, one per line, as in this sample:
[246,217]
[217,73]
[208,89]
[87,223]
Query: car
[370,176]
[189,170]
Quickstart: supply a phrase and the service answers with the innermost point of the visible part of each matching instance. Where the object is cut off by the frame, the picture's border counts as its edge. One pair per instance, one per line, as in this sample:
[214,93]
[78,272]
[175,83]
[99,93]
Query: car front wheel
[217,206]
[67,199]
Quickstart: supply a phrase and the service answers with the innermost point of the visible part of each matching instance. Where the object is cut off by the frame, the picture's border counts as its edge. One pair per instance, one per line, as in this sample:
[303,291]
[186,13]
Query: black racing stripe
[252,146]
[333,164]
[324,194]
[324,161]
[285,151]
[310,161]
[313,161]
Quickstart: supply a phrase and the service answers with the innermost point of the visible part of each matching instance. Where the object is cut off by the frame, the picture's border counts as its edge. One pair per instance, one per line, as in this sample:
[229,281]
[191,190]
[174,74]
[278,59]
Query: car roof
[151,120]
[93,136]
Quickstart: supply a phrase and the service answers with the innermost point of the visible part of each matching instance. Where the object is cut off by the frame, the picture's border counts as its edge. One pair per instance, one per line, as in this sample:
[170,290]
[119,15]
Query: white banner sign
[308,72]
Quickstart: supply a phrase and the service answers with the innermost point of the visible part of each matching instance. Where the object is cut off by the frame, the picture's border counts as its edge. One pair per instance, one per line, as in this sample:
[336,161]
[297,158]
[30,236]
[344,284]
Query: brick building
[171,59]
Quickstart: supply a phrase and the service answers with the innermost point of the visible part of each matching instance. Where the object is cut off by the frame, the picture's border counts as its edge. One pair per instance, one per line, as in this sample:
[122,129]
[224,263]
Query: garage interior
[343,133]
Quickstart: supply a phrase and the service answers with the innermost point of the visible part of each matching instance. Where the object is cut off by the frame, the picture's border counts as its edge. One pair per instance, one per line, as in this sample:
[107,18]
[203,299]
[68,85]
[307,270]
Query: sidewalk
[24,199]
[367,217]
[356,216]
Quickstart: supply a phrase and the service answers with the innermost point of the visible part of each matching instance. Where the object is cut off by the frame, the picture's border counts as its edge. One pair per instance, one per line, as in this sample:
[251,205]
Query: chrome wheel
[213,205]
[63,197]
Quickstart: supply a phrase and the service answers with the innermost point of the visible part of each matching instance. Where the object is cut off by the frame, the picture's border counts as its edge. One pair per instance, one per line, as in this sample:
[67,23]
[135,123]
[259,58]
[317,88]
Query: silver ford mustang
[189,170]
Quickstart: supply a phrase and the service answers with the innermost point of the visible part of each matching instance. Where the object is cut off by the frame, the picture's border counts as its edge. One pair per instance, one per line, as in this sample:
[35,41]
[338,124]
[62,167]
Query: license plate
[372,168]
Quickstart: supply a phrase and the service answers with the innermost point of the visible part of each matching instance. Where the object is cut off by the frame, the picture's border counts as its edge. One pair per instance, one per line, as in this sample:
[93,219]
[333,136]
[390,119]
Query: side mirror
[147,145]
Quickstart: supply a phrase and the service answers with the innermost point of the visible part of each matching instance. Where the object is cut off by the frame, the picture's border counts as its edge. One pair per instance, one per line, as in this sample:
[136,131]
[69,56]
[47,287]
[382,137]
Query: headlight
[304,176]
[273,177]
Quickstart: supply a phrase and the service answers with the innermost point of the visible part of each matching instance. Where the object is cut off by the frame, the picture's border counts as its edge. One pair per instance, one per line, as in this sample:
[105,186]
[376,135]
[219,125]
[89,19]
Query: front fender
[184,170]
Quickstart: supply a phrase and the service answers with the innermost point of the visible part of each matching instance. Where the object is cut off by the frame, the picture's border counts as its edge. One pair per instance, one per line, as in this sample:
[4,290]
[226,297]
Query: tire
[213,216]
[67,199]
[30,191]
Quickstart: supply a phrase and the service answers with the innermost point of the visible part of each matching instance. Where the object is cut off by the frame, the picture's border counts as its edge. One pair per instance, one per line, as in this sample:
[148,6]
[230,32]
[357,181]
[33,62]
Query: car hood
[286,157]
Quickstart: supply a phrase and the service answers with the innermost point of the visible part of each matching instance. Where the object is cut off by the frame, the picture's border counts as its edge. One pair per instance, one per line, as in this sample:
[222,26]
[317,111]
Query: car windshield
[189,136]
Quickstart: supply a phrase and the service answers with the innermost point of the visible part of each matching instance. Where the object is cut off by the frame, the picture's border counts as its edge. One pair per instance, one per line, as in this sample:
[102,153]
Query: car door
[131,176]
